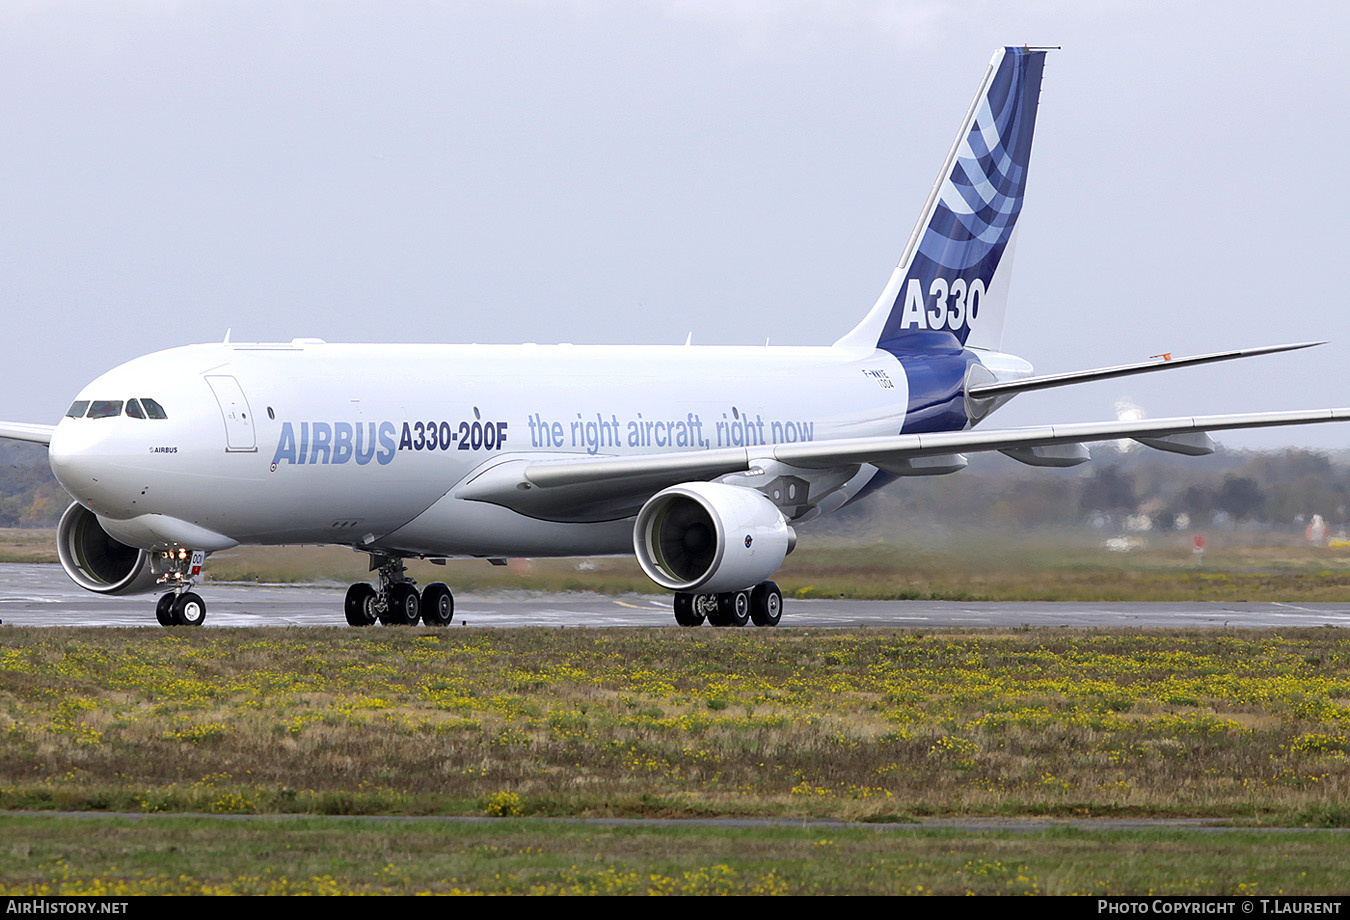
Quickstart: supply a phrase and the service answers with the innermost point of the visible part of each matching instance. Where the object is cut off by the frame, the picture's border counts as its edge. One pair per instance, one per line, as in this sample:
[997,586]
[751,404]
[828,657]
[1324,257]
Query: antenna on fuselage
[227,337]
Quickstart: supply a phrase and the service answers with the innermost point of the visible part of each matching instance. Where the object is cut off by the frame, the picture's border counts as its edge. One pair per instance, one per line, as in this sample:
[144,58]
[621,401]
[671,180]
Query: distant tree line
[29,495]
[1276,490]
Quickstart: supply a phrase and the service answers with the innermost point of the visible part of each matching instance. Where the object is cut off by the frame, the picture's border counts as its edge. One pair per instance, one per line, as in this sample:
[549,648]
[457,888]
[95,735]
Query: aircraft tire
[358,605]
[766,604]
[714,609]
[405,606]
[164,610]
[733,609]
[438,605]
[687,612]
[189,609]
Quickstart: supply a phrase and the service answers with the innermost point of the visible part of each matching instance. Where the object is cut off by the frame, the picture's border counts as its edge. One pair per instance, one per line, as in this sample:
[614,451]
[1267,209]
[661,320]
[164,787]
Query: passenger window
[152,408]
[105,408]
[77,408]
[134,409]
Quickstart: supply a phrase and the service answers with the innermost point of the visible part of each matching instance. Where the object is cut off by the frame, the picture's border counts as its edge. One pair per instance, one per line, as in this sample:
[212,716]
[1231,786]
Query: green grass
[855,724]
[311,728]
[112,856]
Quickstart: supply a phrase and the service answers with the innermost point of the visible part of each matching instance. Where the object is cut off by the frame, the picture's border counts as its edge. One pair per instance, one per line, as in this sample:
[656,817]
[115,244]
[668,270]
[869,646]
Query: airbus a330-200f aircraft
[701,460]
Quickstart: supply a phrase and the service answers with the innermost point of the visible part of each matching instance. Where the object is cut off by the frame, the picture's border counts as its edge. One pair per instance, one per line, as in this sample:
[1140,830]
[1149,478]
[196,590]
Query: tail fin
[951,286]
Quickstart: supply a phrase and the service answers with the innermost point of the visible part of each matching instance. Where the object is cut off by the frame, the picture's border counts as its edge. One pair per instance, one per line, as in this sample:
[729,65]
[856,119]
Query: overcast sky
[630,172]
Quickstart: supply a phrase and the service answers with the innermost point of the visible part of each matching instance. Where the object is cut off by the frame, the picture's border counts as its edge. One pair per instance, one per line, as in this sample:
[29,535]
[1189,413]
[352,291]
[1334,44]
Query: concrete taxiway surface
[41,595]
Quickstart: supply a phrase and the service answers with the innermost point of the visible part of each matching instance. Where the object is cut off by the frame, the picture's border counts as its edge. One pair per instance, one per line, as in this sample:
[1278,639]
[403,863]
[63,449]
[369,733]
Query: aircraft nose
[72,455]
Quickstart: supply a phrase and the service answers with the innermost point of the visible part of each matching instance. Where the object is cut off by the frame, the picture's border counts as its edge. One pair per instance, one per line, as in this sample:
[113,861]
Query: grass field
[867,725]
[878,728]
[115,856]
[875,727]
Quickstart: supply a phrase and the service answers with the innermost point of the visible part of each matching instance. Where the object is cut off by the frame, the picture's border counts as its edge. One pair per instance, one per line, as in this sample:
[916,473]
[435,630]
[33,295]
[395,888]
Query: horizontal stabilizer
[1162,363]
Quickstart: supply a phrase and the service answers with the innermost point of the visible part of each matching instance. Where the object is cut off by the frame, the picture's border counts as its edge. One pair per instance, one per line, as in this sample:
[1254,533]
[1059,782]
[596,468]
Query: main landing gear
[397,602]
[761,605]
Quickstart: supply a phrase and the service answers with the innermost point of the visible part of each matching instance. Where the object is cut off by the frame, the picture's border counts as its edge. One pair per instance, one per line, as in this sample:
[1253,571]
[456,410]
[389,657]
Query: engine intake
[710,537]
[97,562]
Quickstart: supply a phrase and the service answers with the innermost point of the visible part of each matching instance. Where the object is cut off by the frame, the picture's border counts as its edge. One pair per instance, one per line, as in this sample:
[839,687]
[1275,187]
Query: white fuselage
[365,444]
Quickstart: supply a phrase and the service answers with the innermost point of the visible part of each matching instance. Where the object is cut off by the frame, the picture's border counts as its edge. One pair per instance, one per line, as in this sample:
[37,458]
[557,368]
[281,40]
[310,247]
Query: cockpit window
[144,407]
[105,408]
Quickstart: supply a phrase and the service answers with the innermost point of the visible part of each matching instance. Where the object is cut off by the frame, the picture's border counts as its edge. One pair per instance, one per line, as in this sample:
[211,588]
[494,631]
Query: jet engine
[710,537]
[97,562]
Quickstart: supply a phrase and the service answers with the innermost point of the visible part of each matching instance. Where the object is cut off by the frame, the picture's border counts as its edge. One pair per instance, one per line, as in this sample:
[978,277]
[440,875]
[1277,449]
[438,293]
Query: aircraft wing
[902,447]
[512,482]
[19,431]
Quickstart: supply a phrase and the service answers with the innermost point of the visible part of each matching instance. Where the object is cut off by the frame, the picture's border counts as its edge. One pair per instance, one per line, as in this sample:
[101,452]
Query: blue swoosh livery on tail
[970,224]
[950,288]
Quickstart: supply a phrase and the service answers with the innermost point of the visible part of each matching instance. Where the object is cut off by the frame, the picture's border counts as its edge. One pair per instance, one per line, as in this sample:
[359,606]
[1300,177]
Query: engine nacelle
[709,537]
[97,562]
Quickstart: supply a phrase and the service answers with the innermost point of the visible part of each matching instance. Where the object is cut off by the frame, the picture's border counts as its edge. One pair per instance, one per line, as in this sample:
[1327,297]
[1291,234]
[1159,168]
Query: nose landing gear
[181,606]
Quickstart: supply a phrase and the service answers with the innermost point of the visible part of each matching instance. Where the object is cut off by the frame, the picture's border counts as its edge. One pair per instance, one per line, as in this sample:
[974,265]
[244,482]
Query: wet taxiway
[41,595]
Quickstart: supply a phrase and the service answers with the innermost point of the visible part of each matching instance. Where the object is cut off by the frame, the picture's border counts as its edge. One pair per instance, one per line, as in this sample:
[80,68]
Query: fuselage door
[234,408]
